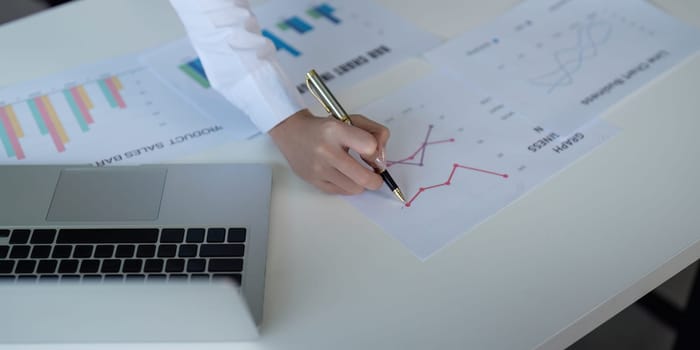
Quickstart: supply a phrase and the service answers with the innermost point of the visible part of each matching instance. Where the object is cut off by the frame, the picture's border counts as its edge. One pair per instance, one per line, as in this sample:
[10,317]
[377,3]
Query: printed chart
[110,113]
[345,41]
[565,62]
[179,67]
[460,156]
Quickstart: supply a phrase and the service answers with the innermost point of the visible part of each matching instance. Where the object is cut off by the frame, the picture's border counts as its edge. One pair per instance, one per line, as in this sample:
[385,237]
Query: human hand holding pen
[317,150]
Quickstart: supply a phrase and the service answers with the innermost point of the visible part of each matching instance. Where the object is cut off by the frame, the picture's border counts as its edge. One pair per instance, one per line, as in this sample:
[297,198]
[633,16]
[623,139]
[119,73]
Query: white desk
[541,274]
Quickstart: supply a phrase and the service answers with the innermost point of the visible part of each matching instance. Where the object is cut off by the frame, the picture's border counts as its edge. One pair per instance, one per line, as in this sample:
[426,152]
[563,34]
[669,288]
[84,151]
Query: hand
[317,150]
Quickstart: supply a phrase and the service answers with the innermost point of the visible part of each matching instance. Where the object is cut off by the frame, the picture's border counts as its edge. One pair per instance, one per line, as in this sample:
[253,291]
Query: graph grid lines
[569,61]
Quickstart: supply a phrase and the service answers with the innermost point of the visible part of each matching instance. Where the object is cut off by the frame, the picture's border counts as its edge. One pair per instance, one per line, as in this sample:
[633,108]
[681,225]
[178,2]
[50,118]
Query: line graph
[410,160]
[455,166]
[589,38]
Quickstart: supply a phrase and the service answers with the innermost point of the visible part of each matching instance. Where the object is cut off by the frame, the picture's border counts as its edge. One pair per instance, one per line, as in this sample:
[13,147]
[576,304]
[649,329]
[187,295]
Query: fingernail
[380,160]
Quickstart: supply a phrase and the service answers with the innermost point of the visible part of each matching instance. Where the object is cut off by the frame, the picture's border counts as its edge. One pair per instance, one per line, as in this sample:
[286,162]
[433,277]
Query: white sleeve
[239,62]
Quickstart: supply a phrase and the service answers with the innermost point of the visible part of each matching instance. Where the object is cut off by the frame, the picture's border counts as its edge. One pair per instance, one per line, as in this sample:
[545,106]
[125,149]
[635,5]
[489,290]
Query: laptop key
[68,266]
[196,265]
[3,251]
[41,251]
[157,277]
[27,278]
[89,266]
[187,250]
[19,252]
[216,235]
[153,265]
[167,250]
[47,266]
[221,250]
[6,266]
[236,235]
[25,266]
[111,265]
[199,277]
[4,233]
[43,236]
[135,278]
[146,251]
[92,278]
[104,251]
[48,279]
[225,265]
[175,265]
[70,278]
[19,237]
[114,278]
[82,251]
[111,235]
[125,251]
[195,235]
[7,279]
[61,251]
[132,265]
[177,277]
[172,235]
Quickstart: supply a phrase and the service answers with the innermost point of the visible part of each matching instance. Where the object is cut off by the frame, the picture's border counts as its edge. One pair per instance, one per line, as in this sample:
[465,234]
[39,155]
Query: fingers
[317,150]
[355,138]
[380,132]
[330,188]
[359,174]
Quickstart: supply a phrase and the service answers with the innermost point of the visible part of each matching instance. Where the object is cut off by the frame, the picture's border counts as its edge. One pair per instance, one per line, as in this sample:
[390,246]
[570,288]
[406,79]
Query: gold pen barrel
[325,97]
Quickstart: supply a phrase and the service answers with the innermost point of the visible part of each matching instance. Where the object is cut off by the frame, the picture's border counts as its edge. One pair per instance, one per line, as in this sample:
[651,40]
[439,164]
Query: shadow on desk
[665,319]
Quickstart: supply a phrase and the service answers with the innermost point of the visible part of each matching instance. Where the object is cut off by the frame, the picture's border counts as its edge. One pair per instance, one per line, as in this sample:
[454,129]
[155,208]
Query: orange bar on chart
[13,120]
[84,96]
[47,121]
[54,119]
[117,83]
[9,136]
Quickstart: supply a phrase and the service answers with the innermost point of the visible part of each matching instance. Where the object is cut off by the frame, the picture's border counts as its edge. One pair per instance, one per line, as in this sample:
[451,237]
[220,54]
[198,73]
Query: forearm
[240,63]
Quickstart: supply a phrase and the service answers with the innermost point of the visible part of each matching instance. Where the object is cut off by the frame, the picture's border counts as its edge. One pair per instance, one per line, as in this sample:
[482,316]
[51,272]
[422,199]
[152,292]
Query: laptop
[150,253]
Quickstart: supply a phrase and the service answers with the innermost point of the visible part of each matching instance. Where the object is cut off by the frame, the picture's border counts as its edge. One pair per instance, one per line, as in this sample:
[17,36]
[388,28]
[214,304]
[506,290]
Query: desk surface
[541,274]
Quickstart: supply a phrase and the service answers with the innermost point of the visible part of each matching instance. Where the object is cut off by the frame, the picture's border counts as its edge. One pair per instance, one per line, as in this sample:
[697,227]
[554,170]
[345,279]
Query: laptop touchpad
[108,194]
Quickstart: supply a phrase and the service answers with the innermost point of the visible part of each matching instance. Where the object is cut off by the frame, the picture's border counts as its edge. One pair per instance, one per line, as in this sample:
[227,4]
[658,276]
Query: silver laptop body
[132,253]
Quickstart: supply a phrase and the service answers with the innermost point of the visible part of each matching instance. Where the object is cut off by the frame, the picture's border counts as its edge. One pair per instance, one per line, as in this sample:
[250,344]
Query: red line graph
[455,166]
[410,160]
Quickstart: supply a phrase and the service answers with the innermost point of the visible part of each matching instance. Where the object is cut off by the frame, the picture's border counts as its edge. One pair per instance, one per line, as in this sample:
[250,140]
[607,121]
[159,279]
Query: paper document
[565,62]
[114,112]
[460,155]
[345,41]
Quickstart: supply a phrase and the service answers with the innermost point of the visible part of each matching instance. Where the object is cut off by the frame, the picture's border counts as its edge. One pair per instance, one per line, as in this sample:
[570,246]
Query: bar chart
[113,112]
[194,69]
[345,41]
[49,122]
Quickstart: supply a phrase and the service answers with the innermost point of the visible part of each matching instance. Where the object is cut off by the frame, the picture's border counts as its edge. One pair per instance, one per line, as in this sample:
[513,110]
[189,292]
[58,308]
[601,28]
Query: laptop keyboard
[118,254]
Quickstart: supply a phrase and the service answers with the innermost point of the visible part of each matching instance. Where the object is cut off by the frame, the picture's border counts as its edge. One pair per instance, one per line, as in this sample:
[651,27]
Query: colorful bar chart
[195,70]
[110,88]
[47,120]
[281,44]
[44,111]
[296,23]
[323,11]
[80,104]
[10,133]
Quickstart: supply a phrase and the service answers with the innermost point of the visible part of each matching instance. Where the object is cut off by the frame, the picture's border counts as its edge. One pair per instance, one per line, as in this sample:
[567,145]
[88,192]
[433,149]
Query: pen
[328,101]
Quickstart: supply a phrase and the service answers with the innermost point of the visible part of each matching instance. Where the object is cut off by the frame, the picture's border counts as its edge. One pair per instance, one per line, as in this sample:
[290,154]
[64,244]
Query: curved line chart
[455,166]
[410,160]
[589,38]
